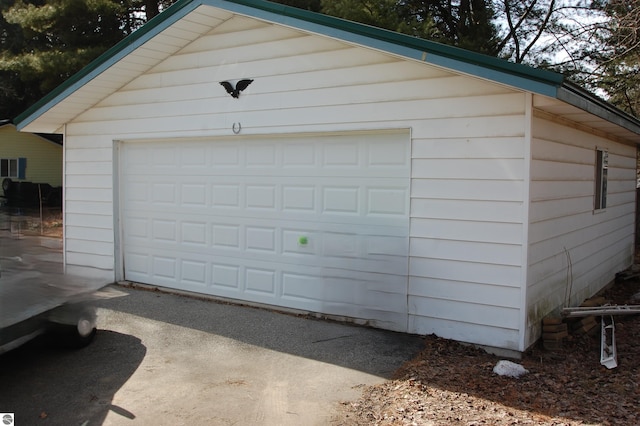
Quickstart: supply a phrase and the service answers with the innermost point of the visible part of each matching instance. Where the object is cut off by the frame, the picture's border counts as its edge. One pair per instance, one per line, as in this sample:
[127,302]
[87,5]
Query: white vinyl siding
[89,227]
[570,244]
[467,212]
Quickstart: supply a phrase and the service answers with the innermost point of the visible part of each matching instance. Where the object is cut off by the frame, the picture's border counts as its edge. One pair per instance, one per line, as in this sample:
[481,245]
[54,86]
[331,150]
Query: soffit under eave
[573,116]
[115,74]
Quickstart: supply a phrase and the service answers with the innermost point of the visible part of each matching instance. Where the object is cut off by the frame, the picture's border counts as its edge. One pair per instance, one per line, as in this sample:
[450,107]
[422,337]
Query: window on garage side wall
[602,166]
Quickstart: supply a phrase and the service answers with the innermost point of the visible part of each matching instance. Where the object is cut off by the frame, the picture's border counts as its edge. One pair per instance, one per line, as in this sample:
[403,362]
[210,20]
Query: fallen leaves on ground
[450,383]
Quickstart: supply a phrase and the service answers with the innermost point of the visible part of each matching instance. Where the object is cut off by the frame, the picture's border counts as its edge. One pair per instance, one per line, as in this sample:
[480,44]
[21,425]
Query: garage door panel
[165,156]
[299,198]
[194,272]
[164,267]
[137,192]
[137,265]
[164,230]
[260,197]
[225,196]
[224,156]
[377,245]
[136,228]
[261,155]
[193,233]
[226,275]
[226,236]
[163,194]
[260,281]
[315,223]
[193,194]
[260,239]
[291,246]
[387,201]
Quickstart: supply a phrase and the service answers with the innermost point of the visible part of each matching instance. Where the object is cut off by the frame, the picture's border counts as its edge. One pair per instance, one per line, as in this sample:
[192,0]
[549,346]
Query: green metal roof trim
[579,97]
[516,75]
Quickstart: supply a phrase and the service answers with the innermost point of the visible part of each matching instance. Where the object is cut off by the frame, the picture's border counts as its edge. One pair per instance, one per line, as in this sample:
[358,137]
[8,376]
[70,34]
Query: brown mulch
[449,383]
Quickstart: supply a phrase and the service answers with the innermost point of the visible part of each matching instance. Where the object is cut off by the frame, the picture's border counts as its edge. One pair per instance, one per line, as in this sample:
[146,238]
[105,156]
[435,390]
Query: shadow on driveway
[54,386]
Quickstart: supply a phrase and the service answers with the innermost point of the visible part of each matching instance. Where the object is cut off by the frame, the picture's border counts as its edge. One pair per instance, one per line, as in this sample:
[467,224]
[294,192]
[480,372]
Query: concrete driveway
[166,359]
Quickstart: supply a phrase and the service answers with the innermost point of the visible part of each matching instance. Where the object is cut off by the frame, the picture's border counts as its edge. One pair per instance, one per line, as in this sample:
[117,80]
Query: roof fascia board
[516,75]
[580,98]
[106,60]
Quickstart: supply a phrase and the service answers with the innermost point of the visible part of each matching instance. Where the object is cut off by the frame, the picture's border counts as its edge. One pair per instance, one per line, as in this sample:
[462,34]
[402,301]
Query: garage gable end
[187,20]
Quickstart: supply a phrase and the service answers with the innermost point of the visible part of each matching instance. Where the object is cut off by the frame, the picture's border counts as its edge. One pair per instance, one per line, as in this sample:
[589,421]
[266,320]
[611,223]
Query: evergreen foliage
[467,23]
[44,42]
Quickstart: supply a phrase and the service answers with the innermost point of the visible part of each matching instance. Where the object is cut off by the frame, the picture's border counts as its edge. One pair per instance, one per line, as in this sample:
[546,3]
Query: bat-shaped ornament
[240,86]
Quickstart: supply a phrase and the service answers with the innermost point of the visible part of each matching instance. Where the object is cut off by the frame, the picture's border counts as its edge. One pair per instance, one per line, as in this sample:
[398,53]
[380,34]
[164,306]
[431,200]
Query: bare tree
[545,31]
[618,55]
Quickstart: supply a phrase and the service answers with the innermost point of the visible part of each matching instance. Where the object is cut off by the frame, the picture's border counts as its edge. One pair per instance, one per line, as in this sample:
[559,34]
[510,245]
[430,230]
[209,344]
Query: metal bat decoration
[240,86]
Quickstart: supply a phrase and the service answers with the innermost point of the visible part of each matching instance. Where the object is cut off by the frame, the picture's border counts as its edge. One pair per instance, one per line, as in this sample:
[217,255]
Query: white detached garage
[362,174]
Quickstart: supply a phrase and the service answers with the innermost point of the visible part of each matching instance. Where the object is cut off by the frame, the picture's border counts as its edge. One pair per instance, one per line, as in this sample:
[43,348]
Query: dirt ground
[453,384]
[30,221]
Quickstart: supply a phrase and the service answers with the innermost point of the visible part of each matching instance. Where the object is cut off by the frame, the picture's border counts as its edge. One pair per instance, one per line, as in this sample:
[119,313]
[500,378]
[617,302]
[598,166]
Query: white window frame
[601,179]
[16,168]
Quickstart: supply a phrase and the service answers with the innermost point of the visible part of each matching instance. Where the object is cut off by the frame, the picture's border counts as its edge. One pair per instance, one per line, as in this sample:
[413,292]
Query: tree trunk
[151,8]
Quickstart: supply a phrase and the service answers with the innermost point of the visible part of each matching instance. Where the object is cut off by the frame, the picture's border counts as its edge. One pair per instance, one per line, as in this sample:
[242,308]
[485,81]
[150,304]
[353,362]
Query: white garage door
[318,223]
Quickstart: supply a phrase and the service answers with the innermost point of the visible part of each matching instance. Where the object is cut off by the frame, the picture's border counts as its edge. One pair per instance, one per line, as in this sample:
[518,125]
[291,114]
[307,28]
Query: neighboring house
[27,157]
[363,174]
